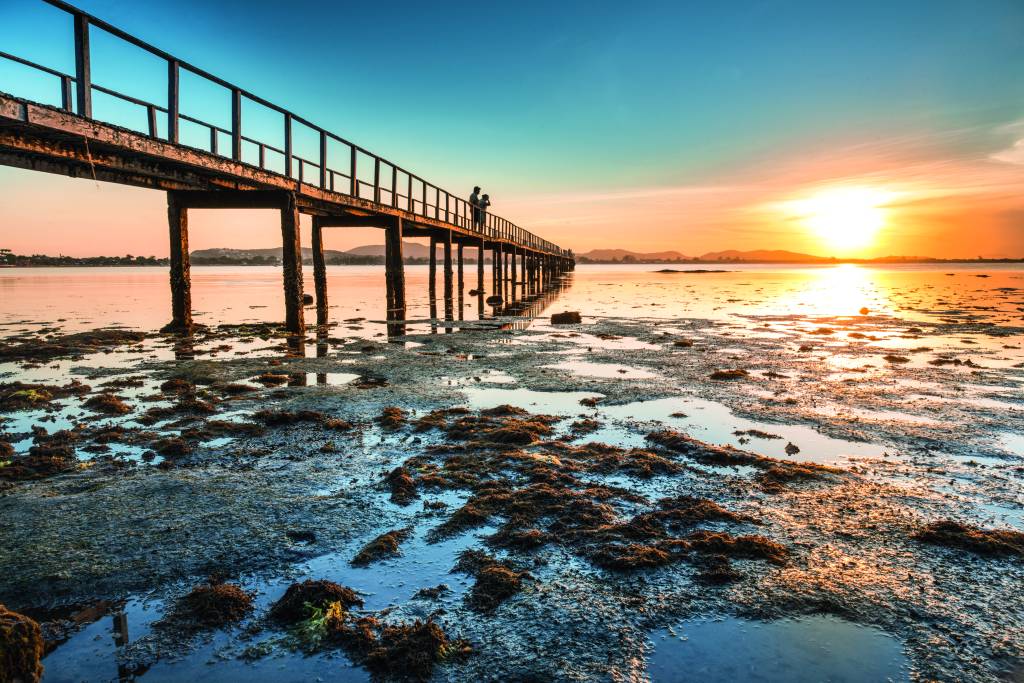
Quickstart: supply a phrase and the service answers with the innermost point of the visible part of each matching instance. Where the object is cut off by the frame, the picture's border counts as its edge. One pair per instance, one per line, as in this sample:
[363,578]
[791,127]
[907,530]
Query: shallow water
[806,650]
[866,395]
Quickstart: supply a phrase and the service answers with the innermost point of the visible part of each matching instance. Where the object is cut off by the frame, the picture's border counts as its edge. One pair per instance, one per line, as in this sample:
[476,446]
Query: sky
[841,128]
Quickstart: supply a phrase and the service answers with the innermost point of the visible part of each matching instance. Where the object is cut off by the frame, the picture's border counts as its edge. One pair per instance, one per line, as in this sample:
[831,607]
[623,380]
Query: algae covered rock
[21,648]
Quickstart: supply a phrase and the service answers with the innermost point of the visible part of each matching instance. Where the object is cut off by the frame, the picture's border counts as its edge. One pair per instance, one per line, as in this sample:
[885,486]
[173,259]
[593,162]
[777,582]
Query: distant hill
[764,256]
[731,255]
[274,254]
[369,254]
[409,250]
[623,254]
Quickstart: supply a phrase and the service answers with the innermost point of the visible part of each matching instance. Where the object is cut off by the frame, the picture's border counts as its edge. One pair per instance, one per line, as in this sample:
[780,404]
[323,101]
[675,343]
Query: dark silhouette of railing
[420,197]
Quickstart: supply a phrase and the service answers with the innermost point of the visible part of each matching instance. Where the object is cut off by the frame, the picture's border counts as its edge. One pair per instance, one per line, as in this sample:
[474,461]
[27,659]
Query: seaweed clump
[503,425]
[51,454]
[212,605]
[990,542]
[385,545]
[496,580]
[301,600]
[405,652]
[69,345]
[25,396]
[402,485]
[109,404]
[438,419]
[773,476]
[21,648]
[281,418]
[392,418]
[725,375]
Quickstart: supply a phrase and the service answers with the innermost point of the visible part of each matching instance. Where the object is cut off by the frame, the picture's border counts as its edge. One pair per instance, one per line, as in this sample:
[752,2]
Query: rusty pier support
[461,280]
[181,280]
[448,287]
[319,272]
[178,204]
[513,258]
[394,276]
[432,275]
[291,259]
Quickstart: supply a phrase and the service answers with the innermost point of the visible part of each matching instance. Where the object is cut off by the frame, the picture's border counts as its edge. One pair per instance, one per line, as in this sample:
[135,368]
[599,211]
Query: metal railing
[390,180]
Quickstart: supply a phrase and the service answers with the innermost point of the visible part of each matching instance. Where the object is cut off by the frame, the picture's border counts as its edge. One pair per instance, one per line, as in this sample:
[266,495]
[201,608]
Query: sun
[844,219]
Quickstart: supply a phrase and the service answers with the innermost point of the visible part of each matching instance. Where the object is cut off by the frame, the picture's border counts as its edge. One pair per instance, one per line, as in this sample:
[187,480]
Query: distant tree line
[234,260]
[8,258]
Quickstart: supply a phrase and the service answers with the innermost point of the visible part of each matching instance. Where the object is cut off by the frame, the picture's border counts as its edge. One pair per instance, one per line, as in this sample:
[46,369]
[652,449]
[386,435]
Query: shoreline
[423,262]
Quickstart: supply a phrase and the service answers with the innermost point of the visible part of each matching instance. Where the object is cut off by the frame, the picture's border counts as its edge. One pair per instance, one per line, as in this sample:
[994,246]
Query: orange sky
[932,206]
[839,129]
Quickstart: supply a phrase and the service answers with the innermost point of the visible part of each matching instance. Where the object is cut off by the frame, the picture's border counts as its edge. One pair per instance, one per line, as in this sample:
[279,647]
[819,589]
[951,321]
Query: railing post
[288,145]
[83,69]
[213,139]
[151,113]
[394,186]
[376,180]
[236,124]
[65,94]
[412,204]
[354,181]
[323,160]
[172,101]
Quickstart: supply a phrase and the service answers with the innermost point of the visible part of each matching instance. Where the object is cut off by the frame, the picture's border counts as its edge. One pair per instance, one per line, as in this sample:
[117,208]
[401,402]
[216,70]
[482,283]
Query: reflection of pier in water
[516,315]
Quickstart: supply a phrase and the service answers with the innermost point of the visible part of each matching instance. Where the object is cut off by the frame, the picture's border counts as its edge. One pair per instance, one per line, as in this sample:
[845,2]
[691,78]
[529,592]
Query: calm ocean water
[139,297]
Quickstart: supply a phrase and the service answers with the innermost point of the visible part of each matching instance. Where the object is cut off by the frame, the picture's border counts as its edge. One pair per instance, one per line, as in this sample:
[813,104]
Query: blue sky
[529,98]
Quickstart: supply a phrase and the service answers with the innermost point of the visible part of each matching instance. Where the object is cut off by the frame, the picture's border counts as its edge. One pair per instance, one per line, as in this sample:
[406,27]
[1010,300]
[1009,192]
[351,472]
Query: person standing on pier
[485,201]
[474,201]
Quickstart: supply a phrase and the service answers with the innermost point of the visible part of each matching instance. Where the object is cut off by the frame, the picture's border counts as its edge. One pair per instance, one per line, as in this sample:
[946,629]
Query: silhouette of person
[485,201]
[474,200]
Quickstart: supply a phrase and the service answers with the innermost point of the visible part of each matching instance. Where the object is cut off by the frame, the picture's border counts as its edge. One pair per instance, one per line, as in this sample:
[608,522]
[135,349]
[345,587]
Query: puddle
[1011,443]
[714,423]
[806,650]
[330,379]
[549,402]
[91,653]
[609,370]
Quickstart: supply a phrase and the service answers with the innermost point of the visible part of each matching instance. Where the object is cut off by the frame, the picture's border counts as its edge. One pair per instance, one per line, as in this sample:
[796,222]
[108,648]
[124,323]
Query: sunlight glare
[846,218]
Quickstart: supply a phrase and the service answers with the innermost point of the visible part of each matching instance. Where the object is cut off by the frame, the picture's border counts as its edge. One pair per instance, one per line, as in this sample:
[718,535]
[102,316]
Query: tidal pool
[806,650]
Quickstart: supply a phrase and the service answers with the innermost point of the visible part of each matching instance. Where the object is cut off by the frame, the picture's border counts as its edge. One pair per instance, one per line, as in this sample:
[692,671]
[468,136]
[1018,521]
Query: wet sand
[845,435]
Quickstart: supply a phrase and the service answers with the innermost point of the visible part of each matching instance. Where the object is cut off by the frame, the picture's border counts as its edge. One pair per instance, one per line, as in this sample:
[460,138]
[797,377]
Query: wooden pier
[344,185]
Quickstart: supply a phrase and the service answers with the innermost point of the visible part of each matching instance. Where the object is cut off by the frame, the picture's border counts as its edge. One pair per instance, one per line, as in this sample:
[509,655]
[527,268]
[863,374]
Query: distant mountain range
[365,255]
[731,255]
[371,254]
[620,254]
[752,256]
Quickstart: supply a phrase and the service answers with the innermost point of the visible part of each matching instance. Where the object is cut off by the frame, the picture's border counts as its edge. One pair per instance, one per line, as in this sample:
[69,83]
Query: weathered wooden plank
[240,199]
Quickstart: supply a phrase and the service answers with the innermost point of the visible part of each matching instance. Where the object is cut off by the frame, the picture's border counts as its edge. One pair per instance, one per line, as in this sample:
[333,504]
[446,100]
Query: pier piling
[319,271]
[181,280]
[291,259]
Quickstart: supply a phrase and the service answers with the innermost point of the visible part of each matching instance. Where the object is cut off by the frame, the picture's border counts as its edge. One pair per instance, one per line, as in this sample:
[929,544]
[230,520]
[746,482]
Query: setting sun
[844,219]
